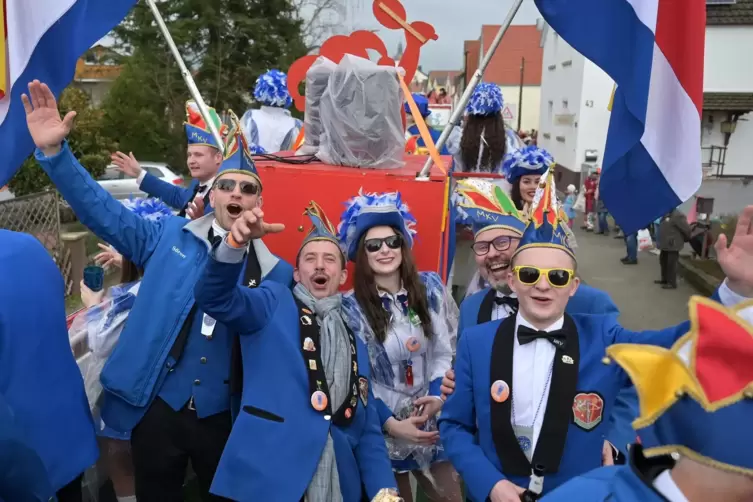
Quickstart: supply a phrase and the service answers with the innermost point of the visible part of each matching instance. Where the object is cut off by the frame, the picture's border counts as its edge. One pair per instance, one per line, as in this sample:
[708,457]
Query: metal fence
[39,215]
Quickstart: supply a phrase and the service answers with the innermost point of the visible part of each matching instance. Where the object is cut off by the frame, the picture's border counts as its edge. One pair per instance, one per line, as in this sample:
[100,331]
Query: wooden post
[75,243]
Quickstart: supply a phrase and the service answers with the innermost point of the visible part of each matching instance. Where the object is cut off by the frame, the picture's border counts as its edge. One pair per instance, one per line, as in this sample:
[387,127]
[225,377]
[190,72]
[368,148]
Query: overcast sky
[454,21]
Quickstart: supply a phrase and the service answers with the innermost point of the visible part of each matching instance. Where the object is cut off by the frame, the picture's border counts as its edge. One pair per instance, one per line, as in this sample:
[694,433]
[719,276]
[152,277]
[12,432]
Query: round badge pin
[412,344]
[500,391]
[319,400]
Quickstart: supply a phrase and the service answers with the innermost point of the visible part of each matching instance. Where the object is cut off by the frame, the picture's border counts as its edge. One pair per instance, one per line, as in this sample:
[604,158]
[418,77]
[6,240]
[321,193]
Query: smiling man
[309,428]
[531,390]
[167,379]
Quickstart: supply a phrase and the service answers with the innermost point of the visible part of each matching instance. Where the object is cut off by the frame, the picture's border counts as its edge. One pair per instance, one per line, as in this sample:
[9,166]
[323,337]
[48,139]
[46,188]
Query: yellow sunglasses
[557,277]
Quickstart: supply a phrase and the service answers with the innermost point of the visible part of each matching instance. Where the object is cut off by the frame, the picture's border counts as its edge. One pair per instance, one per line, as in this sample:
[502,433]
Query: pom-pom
[148,209]
[485,100]
[272,89]
[528,160]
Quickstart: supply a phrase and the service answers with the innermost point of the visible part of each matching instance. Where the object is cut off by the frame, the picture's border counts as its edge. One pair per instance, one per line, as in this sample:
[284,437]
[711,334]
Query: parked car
[6,194]
[122,186]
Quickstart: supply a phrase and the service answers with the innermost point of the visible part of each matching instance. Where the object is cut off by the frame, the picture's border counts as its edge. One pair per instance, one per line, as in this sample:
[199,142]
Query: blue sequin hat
[421,103]
[197,130]
[370,210]
[696,398]
[528,160]
[485,100]
[272,89]
[321,228]
[485,206]
[148,209]
[547,225]
[237,154]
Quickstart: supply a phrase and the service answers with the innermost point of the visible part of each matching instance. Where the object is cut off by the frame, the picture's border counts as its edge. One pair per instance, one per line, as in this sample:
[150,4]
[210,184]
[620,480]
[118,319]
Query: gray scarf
[335,351]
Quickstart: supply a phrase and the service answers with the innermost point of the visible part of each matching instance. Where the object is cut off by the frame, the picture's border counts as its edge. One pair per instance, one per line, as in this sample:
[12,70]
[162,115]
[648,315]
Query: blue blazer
[23,477]
[278,438]
[174,196]
[39,378]
[172,252]
[587,300]
[476,431]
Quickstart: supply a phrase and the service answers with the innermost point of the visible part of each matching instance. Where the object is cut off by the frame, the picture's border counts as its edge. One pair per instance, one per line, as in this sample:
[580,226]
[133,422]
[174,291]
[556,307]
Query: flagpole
[192,89]
[458,111]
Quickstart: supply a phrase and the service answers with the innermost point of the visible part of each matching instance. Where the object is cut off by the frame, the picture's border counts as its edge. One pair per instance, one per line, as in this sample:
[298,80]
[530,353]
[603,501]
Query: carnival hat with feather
[322,228]
[528,160]
[485,100]
[547,226]
[148,209]
[422,103]
[485,206]
[368,210]
[696,398]
[237,154]
[197,130]
[272,89]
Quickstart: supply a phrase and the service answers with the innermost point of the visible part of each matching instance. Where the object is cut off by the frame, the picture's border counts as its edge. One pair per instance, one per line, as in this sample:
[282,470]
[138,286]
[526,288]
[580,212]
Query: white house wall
[728,64]
[531,105]
[593,121]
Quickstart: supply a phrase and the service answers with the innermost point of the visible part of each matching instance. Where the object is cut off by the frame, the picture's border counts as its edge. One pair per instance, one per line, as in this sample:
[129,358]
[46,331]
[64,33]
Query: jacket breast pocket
[266,415]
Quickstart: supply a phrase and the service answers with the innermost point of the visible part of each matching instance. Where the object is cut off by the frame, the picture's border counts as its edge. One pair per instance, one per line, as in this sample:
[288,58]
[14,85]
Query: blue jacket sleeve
[371,453]
[457,428]
[241,309]
[625,411]
[131,235]
[383,411]
[173,195]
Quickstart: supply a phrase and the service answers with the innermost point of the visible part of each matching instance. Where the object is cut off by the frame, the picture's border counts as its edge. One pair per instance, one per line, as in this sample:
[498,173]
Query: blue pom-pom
[528,160]
[148,209]
[256,150]
[272,89]
[485,100]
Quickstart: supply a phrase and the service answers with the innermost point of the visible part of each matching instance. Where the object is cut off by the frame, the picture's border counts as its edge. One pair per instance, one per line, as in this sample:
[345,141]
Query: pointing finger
[273,228]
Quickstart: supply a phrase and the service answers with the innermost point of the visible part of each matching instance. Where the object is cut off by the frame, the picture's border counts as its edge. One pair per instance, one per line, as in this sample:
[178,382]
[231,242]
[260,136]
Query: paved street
[643,304]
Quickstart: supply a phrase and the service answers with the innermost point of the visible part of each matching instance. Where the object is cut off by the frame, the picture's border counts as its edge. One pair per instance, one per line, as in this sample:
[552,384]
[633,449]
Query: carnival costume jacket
[477,432]
[278,437]
[39,378]
[23,477]
[147,362]
[174,196]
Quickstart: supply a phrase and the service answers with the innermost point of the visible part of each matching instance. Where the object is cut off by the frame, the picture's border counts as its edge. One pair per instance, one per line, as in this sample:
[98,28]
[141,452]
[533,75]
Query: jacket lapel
[487,305]
[551,441]
[511,457]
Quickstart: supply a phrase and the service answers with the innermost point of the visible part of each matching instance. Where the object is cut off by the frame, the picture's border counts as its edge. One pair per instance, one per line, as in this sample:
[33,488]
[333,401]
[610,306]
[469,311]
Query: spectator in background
[601,212]
[589,187]
[569,203]
[674,231]
[631,244]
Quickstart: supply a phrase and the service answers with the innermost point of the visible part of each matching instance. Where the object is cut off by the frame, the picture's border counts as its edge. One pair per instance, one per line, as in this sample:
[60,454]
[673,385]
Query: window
[154,171]
[111,174]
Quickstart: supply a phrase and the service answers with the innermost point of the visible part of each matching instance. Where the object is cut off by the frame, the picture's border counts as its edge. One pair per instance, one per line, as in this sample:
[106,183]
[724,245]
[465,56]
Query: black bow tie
[507,300]
[201,188]
[214,240]
[527,335]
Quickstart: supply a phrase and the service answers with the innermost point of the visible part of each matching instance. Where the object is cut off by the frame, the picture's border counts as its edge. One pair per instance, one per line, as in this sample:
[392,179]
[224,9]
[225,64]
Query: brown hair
[130,272]
[368,297]
[493,128]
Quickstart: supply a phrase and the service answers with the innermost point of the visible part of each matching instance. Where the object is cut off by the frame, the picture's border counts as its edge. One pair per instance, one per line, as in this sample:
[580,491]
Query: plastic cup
[94,277]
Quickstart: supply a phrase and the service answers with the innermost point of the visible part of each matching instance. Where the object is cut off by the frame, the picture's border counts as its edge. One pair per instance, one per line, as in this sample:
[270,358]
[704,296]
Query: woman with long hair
[104,320]
[408,321]
[523,170]
[484,140]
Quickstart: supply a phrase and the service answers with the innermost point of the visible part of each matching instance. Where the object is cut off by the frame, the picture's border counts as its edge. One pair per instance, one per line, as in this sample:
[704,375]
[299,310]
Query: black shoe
[629,262]
[668,286]
[660,282]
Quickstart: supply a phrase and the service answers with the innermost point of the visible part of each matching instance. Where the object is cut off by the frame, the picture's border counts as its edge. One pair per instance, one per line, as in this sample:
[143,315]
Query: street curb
[700,280]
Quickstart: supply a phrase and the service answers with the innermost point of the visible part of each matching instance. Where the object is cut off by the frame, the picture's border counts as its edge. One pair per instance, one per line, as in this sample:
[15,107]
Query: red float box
[288,189]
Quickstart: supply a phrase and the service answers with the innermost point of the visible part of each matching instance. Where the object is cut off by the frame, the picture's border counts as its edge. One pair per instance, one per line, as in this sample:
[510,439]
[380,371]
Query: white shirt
[502,311]
[531,367]
[665,485]
[273,124]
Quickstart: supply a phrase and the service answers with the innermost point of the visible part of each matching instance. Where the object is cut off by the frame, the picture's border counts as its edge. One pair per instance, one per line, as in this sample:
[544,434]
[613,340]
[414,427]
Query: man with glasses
[531,391]
[168,377]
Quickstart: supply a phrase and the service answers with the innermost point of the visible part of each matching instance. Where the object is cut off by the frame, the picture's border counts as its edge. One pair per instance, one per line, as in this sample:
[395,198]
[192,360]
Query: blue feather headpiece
[547,227]
[272,89]
[237,154]
[148,209]
[421,103]
[528,160]
[485,206]
[485,100]
[372,210]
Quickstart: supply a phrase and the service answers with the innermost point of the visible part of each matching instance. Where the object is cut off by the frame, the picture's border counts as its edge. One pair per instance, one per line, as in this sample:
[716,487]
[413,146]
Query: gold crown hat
[696,398]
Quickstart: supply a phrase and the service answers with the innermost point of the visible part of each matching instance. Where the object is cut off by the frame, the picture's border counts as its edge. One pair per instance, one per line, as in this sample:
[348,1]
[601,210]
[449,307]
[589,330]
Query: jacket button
[197,382]
[209,337]
[203,360]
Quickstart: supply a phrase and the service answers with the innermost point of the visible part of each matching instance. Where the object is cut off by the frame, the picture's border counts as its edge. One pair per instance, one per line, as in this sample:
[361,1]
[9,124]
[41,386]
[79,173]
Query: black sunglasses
[374,245]
[228,185]
[501,243]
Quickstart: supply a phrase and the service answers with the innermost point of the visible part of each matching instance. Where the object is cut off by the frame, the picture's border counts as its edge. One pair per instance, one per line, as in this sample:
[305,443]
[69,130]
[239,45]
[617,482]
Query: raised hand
[737,259]
[448,384]
[109,257]
[126,164]
[251,225]
[195,208]
[47,128]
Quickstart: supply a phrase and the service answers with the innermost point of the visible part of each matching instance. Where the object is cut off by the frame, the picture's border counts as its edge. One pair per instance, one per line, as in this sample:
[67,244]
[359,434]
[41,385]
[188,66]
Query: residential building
[96,70]
[575,97]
